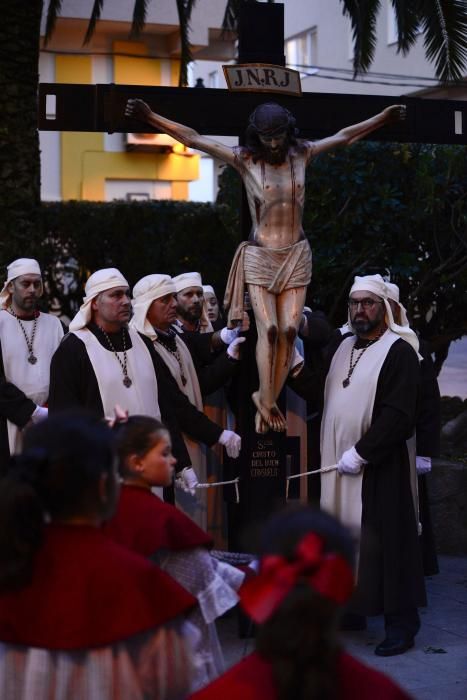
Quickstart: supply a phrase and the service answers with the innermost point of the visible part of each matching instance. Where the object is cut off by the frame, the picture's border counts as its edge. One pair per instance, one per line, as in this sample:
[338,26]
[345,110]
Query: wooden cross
[217,112]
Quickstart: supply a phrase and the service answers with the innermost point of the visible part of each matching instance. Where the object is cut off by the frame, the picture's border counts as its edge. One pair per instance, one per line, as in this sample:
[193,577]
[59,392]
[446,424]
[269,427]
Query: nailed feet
[268,418]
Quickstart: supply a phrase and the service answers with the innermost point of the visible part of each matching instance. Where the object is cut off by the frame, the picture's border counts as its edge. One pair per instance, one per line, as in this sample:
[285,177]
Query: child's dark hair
[57,475]
[300,638]
[135,436]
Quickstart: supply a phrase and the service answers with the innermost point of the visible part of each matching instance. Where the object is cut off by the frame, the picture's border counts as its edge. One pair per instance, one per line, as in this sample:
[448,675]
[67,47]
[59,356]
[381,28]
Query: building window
[300,52]
[137,190]
[138,196]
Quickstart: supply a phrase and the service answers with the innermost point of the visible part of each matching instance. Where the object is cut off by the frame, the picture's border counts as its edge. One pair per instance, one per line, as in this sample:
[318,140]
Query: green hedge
[139,238]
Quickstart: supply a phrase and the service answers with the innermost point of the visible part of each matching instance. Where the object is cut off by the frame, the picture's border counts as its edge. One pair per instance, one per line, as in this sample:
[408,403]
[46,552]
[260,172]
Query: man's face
[190,303]
[112,307]
[163,312]
[368,314]
[274,148]
[25,290]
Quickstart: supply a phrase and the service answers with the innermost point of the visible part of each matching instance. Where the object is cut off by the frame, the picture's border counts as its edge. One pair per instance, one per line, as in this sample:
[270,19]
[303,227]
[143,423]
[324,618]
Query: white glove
[423,465]
[232,443]
[350,462]
[233,350]
[40,413]
[187,480]
[229,334]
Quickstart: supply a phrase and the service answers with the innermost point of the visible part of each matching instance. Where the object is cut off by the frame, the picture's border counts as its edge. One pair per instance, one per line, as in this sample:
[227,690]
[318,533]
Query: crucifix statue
[275,263]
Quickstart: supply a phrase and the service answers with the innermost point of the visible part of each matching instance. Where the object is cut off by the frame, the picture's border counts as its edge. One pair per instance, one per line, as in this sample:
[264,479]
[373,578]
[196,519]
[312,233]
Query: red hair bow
[328,574]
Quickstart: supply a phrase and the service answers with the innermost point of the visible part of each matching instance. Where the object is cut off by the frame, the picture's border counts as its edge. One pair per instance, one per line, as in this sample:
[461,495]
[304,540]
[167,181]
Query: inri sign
[262,77]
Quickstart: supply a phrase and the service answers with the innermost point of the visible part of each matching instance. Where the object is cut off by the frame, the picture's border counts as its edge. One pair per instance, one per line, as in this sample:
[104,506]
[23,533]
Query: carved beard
[276,157]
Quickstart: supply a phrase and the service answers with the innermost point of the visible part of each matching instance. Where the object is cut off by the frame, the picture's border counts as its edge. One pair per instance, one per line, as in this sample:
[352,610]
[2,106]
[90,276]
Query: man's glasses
[364,303]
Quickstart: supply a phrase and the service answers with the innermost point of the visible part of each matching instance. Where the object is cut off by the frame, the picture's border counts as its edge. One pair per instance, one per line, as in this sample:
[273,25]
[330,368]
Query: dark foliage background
[139,238]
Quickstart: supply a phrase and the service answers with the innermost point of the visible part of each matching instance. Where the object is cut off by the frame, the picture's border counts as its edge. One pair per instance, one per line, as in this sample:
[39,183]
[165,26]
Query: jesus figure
[275,263]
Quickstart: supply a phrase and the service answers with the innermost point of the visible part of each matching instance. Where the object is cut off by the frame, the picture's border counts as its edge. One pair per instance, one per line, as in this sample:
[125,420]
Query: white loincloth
[276,269]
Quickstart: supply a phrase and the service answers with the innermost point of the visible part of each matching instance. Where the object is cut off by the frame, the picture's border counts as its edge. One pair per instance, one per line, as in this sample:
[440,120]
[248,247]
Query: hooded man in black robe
[370,406]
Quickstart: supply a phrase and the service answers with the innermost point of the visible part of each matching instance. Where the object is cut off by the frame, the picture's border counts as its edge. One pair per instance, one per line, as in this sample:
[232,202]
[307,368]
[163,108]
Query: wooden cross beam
[220,113]
[216,112]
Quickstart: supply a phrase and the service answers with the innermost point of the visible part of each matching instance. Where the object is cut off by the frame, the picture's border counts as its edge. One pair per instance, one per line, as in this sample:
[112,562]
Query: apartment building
[103,167]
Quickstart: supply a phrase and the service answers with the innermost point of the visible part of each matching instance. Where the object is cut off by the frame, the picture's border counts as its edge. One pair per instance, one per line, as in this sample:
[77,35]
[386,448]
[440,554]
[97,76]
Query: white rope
[302,474]
[209,485]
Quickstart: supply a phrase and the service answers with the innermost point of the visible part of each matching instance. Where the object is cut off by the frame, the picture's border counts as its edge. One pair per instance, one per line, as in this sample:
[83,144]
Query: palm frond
[139,17]
[407,20]
[444,25]
[362,15]
[184,8]
[232,11]
[95,16]
[53,11]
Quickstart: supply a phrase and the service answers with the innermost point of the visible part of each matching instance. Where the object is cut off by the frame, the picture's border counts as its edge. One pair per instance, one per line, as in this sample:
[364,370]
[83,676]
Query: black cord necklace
[32,359]
[353,364]
[126,379]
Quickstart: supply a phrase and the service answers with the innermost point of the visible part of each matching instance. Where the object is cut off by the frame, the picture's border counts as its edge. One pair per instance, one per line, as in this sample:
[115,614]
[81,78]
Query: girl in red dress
[80,616]
[147,525]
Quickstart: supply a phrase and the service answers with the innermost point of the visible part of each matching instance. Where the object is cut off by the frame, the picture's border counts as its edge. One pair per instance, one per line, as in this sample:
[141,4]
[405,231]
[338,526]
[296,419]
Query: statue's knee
[290,334]
[272,333]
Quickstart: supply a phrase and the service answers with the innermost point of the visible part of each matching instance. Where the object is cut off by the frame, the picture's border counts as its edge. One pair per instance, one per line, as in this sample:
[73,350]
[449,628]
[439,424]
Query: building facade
[318,44]
[103,167]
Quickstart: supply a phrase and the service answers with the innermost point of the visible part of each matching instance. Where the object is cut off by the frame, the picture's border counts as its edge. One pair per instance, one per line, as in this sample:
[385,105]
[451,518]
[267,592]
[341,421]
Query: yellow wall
[174,72]
[73,69]
[137,166]
[135,71]
[85,164]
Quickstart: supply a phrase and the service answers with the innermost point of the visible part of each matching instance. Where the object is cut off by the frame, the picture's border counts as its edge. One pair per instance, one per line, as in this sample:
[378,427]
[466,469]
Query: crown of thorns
[270,119]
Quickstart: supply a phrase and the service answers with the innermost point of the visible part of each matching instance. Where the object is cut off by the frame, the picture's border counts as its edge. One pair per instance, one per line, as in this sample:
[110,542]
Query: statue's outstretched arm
[137,109]
[353,133]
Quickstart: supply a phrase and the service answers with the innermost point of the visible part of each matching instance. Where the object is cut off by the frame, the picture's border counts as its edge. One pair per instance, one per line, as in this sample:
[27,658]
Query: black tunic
[314,344]
[390,577]
[73,383]
[213,368]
